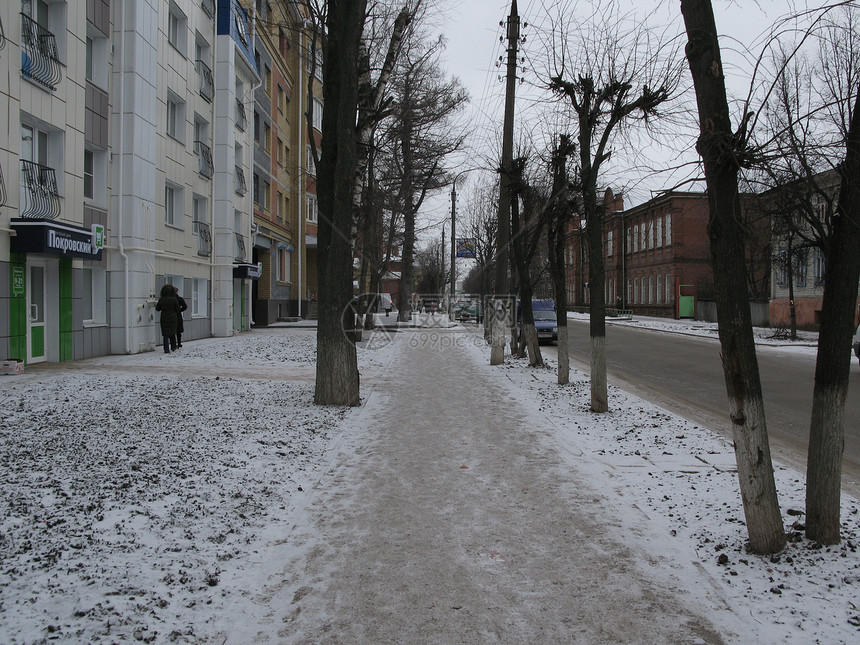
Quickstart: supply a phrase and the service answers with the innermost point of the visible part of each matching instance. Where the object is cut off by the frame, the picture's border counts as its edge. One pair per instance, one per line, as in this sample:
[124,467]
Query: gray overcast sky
[472,30]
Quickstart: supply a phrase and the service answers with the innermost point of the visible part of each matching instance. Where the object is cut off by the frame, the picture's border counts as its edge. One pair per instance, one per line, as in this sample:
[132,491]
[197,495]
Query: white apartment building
[124,167]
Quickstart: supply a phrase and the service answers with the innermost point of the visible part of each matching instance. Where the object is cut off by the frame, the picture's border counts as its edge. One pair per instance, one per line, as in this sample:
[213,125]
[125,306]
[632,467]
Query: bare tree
[723,153]
[424,132]
[811,161]
[612,76]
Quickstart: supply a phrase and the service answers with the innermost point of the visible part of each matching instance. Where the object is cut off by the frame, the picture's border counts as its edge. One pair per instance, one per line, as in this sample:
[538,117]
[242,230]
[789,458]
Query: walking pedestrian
[180,324]
[168,305]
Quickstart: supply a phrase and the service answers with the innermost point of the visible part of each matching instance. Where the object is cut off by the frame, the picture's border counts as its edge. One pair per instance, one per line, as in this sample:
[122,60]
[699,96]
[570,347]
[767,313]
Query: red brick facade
[657,256]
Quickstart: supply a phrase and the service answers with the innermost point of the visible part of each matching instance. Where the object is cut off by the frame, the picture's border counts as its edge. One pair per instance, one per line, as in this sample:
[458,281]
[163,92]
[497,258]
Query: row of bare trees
[611,79]
[383,153]
[389,121]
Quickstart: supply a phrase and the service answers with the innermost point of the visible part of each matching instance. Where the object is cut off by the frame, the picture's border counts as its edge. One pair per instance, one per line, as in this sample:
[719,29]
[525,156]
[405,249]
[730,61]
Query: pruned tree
[724,151]
[528,221]
[559,218]
[612,77]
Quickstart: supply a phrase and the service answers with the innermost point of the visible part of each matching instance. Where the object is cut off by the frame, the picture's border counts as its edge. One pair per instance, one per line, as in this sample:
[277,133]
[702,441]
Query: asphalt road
[684,374]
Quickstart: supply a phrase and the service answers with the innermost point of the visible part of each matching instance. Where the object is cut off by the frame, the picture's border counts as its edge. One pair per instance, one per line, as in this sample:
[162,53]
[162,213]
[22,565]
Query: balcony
[241,187]
[241,254]
[207,82]
[204,155]
[204,239]
[40,59]
[40,198]
[208,7]
[241,115]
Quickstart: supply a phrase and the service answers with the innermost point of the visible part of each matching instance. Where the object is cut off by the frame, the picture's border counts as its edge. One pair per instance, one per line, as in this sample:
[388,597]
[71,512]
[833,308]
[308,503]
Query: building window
[283,265]
[636,290]
[199,297]
[651,298]
[317,107]
[609,243]
[267,137]
[279,208]
[256,126]
[818,266]
[635,238]
[668,228]
[94,295]
[651,235]
[176,28]
[669,289]
[89,186]
[629,291]
[782,267]
[312,208]
[267,190]
[199,212]
[659,288]
[659,232]
[173,205]
[799,268]
[311,165]
[256,187]
[175,117]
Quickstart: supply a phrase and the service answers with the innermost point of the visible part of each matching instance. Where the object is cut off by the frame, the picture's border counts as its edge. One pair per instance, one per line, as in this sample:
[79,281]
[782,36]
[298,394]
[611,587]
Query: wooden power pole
[503,239]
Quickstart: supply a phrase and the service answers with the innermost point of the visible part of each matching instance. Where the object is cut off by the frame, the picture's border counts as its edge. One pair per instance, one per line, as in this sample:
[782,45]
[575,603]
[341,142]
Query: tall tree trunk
[337,379]
[832,367]
[596,280]
[720,150]
[555,251]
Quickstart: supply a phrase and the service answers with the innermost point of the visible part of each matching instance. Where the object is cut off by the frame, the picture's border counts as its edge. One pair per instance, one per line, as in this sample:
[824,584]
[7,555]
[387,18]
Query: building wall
[105,126]
[656,255]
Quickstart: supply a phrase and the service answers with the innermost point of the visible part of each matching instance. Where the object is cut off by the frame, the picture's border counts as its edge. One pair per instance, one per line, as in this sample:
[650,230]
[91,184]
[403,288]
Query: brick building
[657,256]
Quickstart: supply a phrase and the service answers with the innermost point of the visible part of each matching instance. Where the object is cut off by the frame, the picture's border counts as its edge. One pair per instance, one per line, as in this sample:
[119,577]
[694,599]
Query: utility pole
[453,250]
[503,238]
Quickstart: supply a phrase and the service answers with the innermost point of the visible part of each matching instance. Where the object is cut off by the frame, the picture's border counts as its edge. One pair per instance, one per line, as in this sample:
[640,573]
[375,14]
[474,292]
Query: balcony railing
[40,197]
[208,7]
[207,82]
[3,195]
[40,59]
[241,187]
[241,254]
[204,239]
[204,154]
[241,115]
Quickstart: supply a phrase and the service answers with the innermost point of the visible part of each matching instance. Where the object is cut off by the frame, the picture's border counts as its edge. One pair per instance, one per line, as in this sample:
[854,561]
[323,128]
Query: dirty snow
[138,492]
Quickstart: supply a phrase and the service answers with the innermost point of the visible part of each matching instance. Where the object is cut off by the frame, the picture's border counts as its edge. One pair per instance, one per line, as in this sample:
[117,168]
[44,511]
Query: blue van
[546,323]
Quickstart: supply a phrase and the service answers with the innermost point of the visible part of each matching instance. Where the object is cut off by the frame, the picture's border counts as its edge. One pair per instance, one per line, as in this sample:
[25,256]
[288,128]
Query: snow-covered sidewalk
[201,497]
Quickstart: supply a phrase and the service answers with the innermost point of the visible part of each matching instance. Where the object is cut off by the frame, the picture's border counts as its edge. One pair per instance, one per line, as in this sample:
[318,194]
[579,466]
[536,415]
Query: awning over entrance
[55,238]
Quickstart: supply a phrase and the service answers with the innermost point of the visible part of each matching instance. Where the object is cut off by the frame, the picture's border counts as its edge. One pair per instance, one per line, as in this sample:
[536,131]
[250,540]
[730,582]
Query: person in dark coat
[180,326]
[168,305]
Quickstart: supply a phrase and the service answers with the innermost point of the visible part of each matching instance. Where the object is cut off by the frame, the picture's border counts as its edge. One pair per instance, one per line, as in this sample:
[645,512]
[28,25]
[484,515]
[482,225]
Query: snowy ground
[138,492]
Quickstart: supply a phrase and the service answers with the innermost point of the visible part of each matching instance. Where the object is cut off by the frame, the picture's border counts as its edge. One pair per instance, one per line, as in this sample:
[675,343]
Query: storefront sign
[248,271]
[18,284]
[53,238]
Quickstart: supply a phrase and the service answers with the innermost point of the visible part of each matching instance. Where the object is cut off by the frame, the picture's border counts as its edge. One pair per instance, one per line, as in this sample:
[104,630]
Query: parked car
[546,323]
[470,311]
